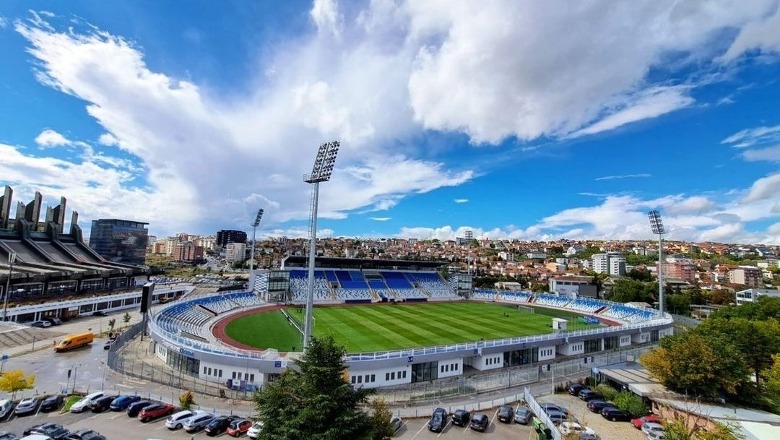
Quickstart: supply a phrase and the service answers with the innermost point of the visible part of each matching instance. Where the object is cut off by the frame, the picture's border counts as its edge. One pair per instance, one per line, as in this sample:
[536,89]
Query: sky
[513,119]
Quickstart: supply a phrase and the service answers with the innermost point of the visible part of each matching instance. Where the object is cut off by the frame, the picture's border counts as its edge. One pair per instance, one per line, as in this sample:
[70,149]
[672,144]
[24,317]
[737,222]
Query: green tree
[628,290]
[380,420]
[679,304]
[126,317]
[631,403]
[111,324]
[16,380]
[313,400]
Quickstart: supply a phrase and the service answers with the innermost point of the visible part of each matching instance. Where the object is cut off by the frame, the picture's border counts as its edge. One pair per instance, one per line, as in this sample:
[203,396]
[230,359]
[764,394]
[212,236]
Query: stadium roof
[296,261]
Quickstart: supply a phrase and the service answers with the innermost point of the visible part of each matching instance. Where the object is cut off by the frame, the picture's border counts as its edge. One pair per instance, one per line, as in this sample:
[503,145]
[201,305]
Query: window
[353,379]
[387,376]
[373,378]
[360,379]
[404,374]
[367,376]
[392,375]
[252,377]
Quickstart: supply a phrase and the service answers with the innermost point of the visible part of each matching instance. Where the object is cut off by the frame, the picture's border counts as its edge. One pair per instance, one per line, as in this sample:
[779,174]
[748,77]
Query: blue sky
[514,119]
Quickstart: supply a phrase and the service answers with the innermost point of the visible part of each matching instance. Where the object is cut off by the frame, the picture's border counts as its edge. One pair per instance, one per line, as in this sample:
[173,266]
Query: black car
[461,417]
[85,434]
[614,414]
[8,436]
[102,404]
[575,388]
[51,403]
[218,425]
[135,408]
[547,407]
[99,313]
[438,420]
[479,422]
[596,405]
[53,430]
[588,394]
[506,414]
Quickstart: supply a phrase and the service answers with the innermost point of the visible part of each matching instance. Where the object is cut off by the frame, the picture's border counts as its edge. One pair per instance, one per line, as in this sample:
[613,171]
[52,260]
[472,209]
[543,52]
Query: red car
[156,411]
[638,422]
[239,427]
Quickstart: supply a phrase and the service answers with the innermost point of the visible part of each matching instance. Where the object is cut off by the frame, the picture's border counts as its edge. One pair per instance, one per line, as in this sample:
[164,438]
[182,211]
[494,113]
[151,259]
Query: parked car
[238,427]
[596,405]
[254,431]
[6,407]
[567,428]
[547,407]
[506,414]
[653,427]
[176,420]
[52,403]
[83,404]
[27,406]
[108,344]
[461,417]
[218,425]
[40,324]
[53,430]
[639,421]
[615,414]
[588,394]
[101,404]
[198,422]
[53,321]
[575,388]
[479,422]
[558,417]
[523,415]
[155,411]
[8,436]
[85,434]
[135,408]
[656,436]
[438,420]
[395,422]
[122,402]
[99,313]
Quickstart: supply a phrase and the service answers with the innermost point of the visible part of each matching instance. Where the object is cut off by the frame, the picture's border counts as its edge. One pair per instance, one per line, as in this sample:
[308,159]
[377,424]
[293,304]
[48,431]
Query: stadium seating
[586,305]
[552,300]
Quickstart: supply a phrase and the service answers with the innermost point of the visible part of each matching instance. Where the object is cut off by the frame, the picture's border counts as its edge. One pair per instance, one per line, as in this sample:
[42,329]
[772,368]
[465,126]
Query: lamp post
[323,167]
[11,261]
[252,251]
[657,226]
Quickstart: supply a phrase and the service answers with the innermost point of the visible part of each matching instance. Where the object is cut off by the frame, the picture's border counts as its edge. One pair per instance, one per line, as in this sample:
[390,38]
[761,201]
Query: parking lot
[417,429]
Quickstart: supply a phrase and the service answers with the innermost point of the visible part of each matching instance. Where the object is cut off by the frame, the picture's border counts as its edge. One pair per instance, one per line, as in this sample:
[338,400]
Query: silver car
[197,422]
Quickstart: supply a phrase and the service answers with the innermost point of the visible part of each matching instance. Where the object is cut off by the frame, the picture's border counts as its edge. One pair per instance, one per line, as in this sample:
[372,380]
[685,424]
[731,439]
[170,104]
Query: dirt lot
[603,427]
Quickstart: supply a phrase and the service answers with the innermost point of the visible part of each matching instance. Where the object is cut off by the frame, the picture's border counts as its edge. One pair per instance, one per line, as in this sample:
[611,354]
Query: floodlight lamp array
[323,163]
[656,224]
[259,216]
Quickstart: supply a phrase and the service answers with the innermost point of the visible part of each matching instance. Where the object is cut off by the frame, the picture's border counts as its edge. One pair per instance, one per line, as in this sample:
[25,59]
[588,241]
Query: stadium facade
[39,259]
[120,241]
[183,331]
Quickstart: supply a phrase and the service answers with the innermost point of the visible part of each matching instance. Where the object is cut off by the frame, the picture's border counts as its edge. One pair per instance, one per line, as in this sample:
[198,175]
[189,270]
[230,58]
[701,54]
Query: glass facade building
[120,241]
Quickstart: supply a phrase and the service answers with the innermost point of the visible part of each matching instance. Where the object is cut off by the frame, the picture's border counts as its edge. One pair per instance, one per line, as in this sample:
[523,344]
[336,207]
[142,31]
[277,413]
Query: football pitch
[391,327]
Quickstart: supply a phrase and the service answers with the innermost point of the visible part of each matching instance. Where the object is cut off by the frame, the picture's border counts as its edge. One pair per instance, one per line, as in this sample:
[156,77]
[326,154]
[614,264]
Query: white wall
[572,348]
[625,340]
[382,377]
[547,352]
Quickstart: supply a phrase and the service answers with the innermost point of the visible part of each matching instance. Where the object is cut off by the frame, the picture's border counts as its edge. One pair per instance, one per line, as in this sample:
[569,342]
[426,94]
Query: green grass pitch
[392,327]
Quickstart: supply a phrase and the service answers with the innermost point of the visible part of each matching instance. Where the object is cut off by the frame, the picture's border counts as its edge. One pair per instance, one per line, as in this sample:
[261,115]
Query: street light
[323,167]
[254,230]
[657,226]
[11,261]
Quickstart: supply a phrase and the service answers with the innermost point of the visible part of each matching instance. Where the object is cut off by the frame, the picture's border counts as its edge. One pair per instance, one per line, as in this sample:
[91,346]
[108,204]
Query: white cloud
[381,219]
[624,176]
[461,200]
[771,154]
[326,16]
[753,136]
[760,34]
[691,205]
[50,138]
[3,22]
[108,139]
[764,188]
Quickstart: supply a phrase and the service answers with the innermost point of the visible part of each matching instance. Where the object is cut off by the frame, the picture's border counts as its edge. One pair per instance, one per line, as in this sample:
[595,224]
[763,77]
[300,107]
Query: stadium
[401,321]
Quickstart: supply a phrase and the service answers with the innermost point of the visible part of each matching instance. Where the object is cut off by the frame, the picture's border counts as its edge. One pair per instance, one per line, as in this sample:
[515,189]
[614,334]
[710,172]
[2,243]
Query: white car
[83,404]
[254,431]
[5,408]
[575,428]
[652,427]
[176,420]
[197,422]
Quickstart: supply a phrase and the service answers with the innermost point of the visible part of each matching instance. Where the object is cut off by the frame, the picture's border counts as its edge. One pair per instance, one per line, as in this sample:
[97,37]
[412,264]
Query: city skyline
[511,119]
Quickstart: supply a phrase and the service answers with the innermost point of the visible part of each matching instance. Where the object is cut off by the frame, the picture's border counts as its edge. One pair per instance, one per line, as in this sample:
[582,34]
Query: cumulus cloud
[771,154]
[763,188]
[757,35]
[326,16]
[50,138]
[691,205]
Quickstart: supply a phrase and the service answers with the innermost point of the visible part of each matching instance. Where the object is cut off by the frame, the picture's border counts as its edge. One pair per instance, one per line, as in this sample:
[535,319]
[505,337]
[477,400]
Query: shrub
[607,391]
[186,400]
[631,403]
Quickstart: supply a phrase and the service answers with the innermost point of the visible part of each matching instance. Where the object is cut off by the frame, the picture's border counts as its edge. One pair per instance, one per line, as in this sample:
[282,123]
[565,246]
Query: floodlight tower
[657,226]
[254,230]
[323,167]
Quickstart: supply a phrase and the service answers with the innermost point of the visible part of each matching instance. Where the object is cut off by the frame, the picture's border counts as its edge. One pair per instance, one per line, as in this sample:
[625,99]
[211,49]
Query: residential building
[226,236]
[235,252]
[610,263]
[752,295]
[749,276]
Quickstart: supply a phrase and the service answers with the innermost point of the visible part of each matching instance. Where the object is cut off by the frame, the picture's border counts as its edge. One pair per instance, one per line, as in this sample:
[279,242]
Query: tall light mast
[657,226]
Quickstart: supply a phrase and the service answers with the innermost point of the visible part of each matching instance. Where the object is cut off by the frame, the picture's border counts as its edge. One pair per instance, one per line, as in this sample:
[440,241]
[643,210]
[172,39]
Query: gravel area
[603,427]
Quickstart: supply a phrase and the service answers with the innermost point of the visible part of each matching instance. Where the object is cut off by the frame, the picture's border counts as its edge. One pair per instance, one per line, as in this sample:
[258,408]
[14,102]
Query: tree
[380,420]
[186,400]
[111,324]
[679,304]
[15,380]
[313,400]
[692,364]
[126,317]
[631,403]
[628,290]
